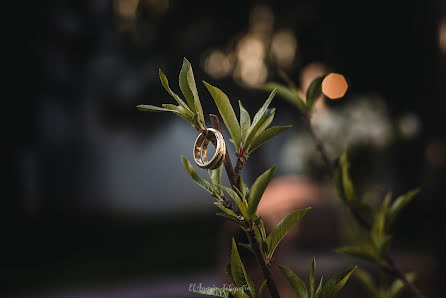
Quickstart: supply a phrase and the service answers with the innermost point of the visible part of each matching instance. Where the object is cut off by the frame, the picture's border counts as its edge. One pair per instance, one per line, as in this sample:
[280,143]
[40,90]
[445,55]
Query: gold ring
[201,148]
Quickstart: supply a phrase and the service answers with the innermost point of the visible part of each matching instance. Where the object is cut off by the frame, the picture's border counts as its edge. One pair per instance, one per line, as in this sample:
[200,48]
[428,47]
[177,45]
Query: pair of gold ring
[201,149]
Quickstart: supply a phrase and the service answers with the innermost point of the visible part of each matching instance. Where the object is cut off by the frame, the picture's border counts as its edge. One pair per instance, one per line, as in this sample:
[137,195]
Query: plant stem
[234,179]
[263,266]
[393,268]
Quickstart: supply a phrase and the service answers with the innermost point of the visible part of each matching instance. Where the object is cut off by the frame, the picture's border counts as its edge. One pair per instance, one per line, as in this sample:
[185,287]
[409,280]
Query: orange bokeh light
[334,86]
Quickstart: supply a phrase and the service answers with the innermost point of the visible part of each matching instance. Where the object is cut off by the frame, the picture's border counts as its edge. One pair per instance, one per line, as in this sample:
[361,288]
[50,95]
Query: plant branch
[234,179]
[392,266]
[263,266]
[233,176]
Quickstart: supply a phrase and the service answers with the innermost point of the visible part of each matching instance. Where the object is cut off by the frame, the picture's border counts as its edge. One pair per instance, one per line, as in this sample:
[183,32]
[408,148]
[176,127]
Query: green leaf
[347,184]
[165,84]
[238,271]
[364,253]
[282,228]
[319,288]
[216,175]
[238,201]
[265,136]
[228,273]
[214,292]
[313,269]
[180,111]
[262,110]
[194,175]
[247,246]
[236,267]
[244,189]
[314,91]
[261,227]
[367,281]
[399,204]
[379,224]
[150,108]
[296,283]
[398,286]
[257,190]
[257,128]
[227,112]
[245,122]
[189,89]
[262,289]
[231,218]
[225,210]
[291,95]
[288,94]
[336,283]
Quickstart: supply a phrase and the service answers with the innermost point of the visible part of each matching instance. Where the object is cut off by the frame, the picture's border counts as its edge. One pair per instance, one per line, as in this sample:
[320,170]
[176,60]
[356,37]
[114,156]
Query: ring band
[201,148]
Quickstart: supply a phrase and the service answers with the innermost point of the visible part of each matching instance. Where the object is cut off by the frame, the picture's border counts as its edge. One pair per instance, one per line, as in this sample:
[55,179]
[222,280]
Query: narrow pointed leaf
[243,188]
[257,190]
[313,269]
[296,283]
[379,224]
[282,228]
[265,136]
[225,210]
[262,110]
[227,112]
[319,288]
[260,125]
[178,99]
[236,267]
[231,218]
[314,91]
[150,108]
[399,204]
[216,175]
[194,175]
[347,183]
[288,94]
[245,122]
[336,283]
[228,273]
[180,111]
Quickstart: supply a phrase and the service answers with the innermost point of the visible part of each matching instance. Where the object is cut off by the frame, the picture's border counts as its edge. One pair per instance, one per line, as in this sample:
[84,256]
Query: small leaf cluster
[246,135]
[372,235]
[291,93]
[191,111]
[331,288]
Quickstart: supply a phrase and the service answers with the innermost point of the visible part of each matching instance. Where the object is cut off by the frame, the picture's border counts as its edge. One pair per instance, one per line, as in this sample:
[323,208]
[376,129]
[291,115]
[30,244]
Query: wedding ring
[201,148]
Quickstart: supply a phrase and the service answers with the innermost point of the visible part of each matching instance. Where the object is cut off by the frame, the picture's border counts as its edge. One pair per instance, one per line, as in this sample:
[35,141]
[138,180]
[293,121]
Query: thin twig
[234,179]
[392,266]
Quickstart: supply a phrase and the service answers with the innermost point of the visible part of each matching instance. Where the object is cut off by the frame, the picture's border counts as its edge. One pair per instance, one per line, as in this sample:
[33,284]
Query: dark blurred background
[101,204]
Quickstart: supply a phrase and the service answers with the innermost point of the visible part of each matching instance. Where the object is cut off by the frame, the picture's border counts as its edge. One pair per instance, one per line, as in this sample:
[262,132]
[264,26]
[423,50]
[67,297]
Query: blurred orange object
[334,86]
